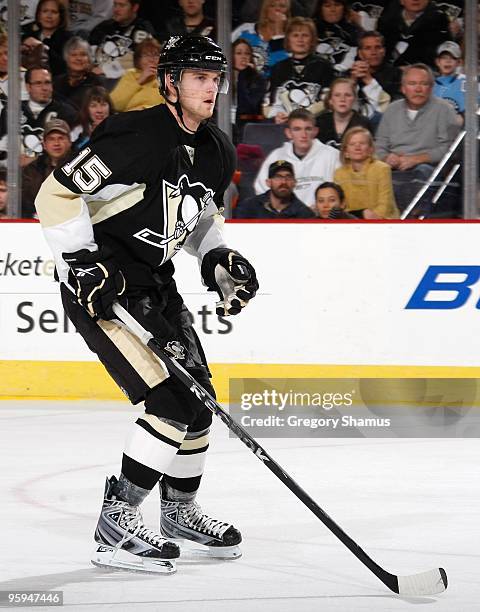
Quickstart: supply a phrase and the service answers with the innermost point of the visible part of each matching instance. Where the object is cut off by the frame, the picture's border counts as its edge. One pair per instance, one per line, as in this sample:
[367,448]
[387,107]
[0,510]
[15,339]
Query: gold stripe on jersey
[168,431]
[100,210]
[195,443]
[56,204]
[147,365]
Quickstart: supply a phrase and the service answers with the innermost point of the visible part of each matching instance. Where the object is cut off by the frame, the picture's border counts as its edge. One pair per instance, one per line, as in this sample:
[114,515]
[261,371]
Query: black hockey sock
[126,491]
[139,475]
[170,492]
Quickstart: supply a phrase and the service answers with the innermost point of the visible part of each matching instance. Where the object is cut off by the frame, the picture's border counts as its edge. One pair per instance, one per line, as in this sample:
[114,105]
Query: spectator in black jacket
[378,81]
[248,86]
[191,20]
[337,37]
[413,29]
[279,202]
[301,80]
[49,29]
[114,40]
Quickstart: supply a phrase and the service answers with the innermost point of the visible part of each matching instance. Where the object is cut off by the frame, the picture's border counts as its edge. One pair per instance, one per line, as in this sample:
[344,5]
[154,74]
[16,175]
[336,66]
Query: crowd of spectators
[368,96]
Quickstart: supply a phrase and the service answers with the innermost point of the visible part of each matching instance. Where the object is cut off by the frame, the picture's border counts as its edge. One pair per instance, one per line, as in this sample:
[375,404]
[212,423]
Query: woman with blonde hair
[366,181]
[267,35]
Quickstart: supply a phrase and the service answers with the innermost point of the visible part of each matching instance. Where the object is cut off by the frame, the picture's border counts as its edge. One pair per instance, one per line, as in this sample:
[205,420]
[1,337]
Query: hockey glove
[97,281]
[232,277]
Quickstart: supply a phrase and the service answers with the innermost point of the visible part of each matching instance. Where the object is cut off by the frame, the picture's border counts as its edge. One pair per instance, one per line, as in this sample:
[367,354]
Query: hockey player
[149,183]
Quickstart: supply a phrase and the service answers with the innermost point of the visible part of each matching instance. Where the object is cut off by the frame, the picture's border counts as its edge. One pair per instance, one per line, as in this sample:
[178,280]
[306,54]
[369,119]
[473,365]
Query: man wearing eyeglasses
[279,201]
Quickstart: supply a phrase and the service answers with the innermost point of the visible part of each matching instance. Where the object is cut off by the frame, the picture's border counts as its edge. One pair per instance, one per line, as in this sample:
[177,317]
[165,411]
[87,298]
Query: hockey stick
[425,583]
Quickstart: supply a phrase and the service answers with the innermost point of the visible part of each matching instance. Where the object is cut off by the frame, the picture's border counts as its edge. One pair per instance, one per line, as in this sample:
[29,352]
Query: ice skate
[124,542]
[185,521]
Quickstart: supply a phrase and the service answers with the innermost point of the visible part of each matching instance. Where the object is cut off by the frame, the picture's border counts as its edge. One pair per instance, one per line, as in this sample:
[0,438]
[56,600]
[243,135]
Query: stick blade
[427,583]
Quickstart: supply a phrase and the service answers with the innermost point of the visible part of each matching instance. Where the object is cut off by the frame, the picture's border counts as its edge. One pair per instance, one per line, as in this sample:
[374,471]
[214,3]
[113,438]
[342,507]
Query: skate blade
[192,550]
[117,558]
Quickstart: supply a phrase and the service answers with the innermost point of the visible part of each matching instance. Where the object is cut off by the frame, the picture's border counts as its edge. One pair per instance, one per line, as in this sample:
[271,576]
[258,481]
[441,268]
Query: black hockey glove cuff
[97,281]
[232,277]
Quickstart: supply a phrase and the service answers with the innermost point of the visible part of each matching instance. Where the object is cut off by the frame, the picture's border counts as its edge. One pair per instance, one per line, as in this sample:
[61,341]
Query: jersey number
[89,175]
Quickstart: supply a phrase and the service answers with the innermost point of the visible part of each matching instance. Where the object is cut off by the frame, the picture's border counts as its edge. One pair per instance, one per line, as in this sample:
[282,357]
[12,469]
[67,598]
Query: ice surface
[412,504]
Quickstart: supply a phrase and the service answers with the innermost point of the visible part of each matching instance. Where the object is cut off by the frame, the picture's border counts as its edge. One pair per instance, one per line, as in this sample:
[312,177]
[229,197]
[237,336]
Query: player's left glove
[232,277]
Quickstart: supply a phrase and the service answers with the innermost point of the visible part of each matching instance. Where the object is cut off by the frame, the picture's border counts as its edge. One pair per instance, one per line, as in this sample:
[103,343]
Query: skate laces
[131,519]
[193,516]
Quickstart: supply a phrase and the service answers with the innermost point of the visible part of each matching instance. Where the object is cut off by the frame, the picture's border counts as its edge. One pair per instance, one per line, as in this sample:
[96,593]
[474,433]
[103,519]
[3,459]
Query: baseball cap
[450,47]
[280,164]
[56,125]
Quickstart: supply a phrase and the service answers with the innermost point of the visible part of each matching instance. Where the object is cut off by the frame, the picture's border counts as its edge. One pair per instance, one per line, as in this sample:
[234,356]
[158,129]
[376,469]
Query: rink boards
[335,300]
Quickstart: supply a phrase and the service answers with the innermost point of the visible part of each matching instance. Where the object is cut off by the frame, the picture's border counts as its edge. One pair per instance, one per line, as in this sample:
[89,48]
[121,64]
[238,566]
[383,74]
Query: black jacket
[258,207]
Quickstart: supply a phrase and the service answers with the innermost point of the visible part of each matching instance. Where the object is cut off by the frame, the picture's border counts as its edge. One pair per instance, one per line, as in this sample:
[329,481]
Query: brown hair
[94,94]
[148,45]
[303,114]
[347,137]
[62,9]
[302,22]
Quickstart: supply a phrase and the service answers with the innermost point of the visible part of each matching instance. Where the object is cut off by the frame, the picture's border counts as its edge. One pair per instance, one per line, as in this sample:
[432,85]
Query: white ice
[412,504]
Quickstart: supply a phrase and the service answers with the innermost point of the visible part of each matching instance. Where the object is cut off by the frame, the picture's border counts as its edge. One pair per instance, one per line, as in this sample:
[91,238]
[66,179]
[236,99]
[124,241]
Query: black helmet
[191,53]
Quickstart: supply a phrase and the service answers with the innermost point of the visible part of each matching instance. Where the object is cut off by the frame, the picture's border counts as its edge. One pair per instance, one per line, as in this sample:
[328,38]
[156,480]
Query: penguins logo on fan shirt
[372,10]
[183,205]
[32,140]
[299,95]
[333,48]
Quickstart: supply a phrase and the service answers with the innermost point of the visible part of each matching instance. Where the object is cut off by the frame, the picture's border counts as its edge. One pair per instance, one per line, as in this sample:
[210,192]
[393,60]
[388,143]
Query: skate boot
[183,519]
[124,542]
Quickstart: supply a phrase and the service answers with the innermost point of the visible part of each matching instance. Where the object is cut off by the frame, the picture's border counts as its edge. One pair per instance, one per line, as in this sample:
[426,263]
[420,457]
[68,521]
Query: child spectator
[337,37]
[138,87]
[267,35]
[248,89]
[301,80]
[450,82]
[97,106]
[49,29]
[330,202]
[340,116]
[366,181]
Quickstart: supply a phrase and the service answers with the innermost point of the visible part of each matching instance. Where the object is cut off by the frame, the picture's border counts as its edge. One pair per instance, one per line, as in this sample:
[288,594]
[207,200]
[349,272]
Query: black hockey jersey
[144,188]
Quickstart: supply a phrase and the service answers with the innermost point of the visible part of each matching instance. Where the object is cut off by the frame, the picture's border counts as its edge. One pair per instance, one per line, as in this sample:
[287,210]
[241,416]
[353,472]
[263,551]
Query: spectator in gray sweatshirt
[415,133]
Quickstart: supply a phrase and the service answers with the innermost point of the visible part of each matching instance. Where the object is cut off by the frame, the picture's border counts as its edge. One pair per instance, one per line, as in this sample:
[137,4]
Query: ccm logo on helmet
[213,57]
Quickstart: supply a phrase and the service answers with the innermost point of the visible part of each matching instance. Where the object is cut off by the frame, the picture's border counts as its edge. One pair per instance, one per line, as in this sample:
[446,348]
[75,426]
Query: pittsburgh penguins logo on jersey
[298,94]
[32,139]
[114,55]
[333,49]
[183,205]
[372,10]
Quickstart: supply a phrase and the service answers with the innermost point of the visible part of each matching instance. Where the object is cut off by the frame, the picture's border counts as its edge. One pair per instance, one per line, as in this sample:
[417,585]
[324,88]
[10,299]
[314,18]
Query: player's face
[40,88]
[56,144]
[198,93]
[49,15]
[358,148]
[332,11]
[3,59]
[242,56]
[325,200]
[372,51]
[342,98]
[98,110]
[124,12]
[300,41]
[417,88]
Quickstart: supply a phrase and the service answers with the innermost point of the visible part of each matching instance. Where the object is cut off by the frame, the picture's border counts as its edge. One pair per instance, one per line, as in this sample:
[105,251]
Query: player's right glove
[232,277]
[97,281]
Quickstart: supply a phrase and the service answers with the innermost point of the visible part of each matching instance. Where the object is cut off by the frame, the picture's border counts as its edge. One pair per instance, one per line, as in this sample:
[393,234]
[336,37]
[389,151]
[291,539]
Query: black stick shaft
[390,580]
